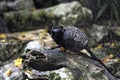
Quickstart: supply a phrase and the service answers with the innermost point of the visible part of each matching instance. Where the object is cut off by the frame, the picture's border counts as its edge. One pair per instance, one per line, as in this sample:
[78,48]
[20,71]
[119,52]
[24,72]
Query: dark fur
[73,39]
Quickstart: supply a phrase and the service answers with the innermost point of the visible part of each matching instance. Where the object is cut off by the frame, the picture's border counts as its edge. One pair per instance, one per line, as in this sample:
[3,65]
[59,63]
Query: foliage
[54,76]
[108,9]
[81,78]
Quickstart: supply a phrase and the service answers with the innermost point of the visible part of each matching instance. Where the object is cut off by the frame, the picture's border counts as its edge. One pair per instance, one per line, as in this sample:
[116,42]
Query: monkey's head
[56,33]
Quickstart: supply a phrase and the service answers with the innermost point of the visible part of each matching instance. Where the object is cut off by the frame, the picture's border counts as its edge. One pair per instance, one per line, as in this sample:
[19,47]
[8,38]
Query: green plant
[81,78]
[108,9]
[54,76]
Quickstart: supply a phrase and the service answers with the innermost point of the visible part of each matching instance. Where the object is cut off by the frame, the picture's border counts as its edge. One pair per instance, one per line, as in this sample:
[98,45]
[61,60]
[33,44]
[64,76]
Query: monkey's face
[56,33]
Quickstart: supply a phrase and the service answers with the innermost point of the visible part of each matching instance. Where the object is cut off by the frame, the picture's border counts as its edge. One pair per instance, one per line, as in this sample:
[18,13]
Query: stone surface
[80,65]
[95,33]
[16,5]
[9,49]
[66,13]
[34,45]
[18,73]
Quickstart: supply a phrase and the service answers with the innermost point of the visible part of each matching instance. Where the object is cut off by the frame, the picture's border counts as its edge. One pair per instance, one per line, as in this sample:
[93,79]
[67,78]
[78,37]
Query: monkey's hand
[62,49]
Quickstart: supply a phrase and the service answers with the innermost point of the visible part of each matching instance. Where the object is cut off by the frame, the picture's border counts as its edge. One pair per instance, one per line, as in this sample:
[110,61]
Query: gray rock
[81,66]
[34,45]
[3,76]
[15,72]
[9,49]
[16,5]
[104,35]
[66,13]
[19,74]
[70,13]
[101,33]
[96,33]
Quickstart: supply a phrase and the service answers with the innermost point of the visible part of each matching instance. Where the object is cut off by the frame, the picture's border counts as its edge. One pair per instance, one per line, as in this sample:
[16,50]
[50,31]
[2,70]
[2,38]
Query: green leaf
[101,11]
[116,14]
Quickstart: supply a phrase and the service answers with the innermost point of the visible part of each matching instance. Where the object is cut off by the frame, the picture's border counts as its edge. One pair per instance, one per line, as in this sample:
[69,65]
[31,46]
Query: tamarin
[73,39]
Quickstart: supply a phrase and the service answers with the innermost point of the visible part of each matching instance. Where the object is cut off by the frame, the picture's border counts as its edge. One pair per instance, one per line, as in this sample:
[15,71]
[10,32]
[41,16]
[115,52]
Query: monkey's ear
[61,26]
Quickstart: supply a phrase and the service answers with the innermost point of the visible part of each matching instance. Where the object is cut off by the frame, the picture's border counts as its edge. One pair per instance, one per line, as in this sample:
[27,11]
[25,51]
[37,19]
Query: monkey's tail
[98,60]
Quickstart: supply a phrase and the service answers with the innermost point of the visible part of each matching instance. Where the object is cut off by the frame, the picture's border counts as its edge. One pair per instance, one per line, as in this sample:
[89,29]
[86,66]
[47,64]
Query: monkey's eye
[55,31]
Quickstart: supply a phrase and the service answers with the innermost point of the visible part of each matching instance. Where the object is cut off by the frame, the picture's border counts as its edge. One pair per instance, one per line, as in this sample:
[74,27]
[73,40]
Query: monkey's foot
[62,49]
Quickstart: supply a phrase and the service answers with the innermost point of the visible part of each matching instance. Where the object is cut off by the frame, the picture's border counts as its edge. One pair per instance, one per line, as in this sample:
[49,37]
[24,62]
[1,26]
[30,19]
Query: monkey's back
[74,39]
